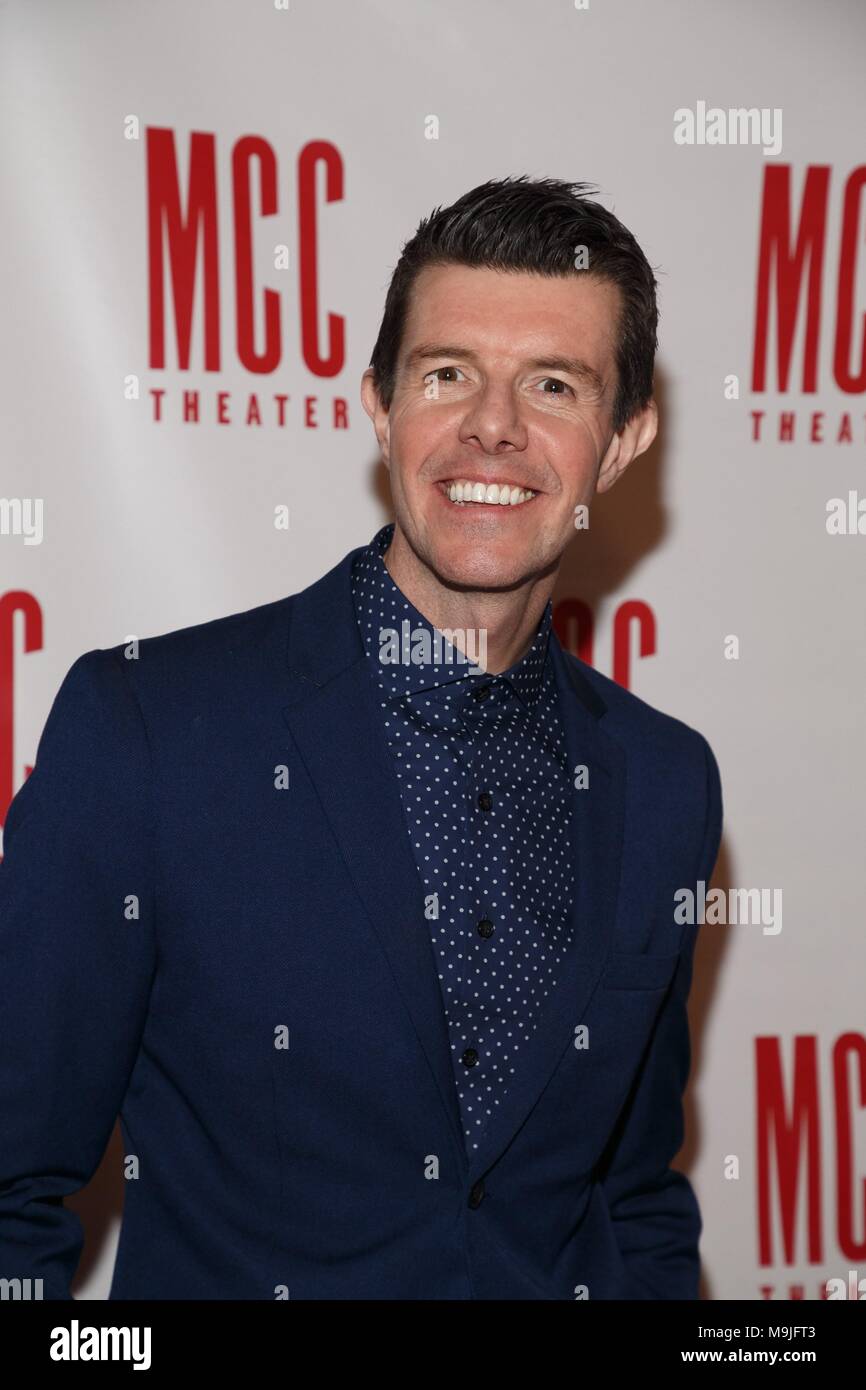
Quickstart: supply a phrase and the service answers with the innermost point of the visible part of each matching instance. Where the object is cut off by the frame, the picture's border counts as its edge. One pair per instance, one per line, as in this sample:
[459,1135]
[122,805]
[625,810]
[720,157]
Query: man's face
[503,378]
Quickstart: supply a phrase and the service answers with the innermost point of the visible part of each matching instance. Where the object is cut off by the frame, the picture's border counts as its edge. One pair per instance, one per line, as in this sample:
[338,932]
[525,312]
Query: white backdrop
[150,525]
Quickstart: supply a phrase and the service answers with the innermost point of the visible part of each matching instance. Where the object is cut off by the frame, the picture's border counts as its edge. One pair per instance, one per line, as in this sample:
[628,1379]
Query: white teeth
[493,494]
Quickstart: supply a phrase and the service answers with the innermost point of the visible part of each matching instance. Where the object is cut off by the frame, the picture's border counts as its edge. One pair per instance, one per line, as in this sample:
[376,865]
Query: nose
[493,420]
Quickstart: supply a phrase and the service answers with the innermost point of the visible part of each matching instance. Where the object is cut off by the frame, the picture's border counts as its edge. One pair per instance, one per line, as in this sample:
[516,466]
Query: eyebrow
[569,366]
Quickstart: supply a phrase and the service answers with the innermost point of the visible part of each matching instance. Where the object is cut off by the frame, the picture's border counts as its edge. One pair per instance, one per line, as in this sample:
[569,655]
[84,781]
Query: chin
[478,566]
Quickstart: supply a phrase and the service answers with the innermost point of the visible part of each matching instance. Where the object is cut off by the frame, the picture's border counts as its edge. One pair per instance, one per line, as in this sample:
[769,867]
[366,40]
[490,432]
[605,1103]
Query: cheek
[575,450]
[591,448]
[419,433]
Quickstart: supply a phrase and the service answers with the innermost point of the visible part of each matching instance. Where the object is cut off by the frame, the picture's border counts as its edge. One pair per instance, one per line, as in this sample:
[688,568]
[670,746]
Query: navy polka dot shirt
[483,772]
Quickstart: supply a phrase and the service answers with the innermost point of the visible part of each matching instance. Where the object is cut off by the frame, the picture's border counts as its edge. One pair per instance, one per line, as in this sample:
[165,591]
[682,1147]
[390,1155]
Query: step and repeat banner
[202,207]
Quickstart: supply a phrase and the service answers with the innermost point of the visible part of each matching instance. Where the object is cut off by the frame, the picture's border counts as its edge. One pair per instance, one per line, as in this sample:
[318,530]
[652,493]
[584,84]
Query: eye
[556,382]
[437,370]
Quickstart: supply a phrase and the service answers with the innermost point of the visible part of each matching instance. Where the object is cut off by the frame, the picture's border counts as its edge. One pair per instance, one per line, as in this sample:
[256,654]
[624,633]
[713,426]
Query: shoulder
[666,757]
[175,669]
[632,720]
[205,651]
[222,664]
[673,785]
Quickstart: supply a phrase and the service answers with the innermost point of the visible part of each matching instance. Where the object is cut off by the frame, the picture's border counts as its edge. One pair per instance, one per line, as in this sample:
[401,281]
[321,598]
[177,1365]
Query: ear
[372,403]
[633,439]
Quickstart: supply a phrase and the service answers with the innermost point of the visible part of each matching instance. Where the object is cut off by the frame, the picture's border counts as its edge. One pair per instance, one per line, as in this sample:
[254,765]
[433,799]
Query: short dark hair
[533,225]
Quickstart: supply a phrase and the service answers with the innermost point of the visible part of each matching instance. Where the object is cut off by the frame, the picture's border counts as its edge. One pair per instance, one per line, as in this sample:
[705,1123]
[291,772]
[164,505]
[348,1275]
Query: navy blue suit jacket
[171,912]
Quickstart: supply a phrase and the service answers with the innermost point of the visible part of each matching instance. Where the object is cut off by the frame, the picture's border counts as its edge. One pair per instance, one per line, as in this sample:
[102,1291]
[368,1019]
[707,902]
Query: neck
[509,617]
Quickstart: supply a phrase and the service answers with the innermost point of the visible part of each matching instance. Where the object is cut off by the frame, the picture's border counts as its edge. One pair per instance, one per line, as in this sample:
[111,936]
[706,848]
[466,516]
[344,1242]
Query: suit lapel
[336,725]
[334,720]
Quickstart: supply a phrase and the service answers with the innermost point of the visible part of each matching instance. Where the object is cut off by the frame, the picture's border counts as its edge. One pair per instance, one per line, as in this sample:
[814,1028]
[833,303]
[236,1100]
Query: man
[358,908]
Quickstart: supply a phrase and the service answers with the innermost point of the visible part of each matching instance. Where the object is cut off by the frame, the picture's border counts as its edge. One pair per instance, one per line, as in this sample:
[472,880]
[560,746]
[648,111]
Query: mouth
[464,492]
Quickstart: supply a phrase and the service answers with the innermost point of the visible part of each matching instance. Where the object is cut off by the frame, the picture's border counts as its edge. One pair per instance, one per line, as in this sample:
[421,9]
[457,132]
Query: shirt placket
[476,1060]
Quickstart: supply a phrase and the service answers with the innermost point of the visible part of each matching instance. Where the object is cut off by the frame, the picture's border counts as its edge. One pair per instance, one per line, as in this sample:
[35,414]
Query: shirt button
[476,1196]
[470,1057]
[485,928]
[485,801]
[481,693]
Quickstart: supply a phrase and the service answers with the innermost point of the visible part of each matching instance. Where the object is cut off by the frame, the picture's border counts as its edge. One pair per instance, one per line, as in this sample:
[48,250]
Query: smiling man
[399,1008]
[498,418]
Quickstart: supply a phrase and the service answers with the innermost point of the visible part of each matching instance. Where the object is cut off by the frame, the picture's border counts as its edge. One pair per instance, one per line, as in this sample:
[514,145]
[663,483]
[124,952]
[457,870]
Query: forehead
[514,314]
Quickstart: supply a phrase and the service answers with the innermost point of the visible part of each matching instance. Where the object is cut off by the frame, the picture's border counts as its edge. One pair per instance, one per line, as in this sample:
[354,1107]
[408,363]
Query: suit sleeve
[77,959]
[656,1218]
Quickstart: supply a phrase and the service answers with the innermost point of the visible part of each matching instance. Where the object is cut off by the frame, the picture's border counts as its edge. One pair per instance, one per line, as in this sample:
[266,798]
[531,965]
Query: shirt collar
[409,654]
